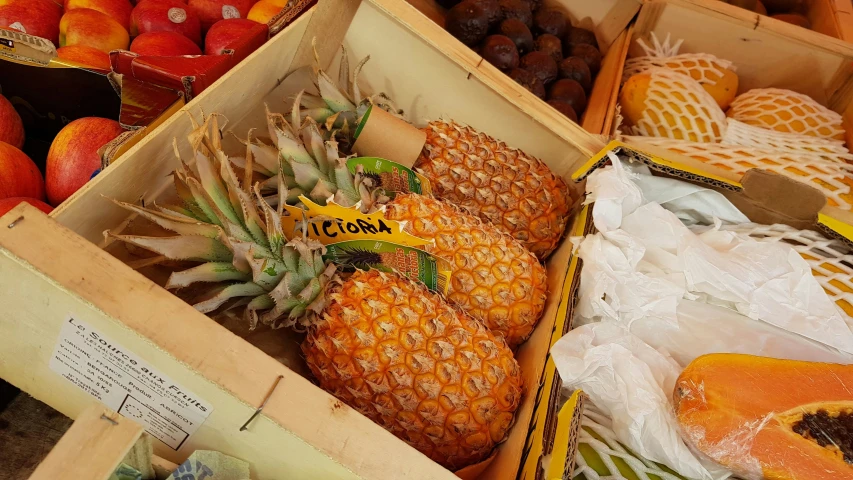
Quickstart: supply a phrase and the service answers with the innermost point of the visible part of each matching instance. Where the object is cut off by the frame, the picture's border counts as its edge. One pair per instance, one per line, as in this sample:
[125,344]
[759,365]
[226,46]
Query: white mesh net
[831,260]
[702,67]
[831,177]
[676,106]
[786,111]
[739,133]
[596,439]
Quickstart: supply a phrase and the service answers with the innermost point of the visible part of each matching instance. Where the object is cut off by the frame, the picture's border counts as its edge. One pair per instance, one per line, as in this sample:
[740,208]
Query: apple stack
[73,159]
[85,31]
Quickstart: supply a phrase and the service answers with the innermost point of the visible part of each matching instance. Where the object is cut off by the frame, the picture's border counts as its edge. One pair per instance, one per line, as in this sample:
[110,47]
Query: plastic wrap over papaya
[768,418]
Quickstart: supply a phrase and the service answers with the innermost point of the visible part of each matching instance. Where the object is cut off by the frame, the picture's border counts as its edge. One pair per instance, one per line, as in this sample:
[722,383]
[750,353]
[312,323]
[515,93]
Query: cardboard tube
[386,136]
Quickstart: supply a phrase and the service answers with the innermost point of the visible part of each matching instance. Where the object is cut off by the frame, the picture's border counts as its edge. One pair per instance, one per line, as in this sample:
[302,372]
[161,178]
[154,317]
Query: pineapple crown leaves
[238,238]
[314,167]
[341,105]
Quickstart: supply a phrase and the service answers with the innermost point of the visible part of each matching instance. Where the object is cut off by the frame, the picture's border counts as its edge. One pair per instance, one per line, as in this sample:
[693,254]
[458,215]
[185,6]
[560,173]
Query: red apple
[140,2]
[39,18]
[11,127]
[118,10]
[86,56]
[84,26]
[211,11]
[73,155]
[264,11]
[165,16]
[7,204]
[164,44]
[19,176]
[225,32]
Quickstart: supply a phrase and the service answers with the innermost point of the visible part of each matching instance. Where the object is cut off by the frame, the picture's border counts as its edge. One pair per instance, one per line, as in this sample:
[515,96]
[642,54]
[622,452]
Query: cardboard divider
[386,136]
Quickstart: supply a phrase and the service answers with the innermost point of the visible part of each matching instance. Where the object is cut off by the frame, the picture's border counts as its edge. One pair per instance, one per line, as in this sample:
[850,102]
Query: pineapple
[515,192]
[398,353]
[494,278]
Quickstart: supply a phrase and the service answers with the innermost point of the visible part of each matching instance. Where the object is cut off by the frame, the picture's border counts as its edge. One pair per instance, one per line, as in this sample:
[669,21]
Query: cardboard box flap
[143,102]
[293,9]
[20,47]
[773,191]
[763,196]
[836,223]
[664,161]
[565,450]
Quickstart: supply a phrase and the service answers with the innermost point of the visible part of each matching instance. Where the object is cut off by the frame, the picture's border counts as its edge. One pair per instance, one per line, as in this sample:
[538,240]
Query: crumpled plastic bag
[644,260]
[702,328]
[631,383]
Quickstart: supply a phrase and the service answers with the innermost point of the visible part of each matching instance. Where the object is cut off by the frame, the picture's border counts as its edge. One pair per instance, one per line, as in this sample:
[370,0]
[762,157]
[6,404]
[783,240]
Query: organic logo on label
[177,15]
[18,26]
[230,11]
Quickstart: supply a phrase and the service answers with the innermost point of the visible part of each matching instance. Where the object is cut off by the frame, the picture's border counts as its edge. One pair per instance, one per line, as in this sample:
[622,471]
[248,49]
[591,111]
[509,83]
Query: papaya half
[768,418]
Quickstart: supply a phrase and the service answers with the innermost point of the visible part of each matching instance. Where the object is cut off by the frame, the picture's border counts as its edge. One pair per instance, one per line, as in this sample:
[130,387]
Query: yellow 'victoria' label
[334,223]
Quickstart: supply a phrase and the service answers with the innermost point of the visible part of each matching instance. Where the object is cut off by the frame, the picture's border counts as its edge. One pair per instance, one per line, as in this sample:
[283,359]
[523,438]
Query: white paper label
[177,15]
[230,11]
[18,26]
[124,382]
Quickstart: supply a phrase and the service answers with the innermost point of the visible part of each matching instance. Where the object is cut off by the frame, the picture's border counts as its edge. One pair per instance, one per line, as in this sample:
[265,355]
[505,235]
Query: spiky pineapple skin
[494,278]
[504,186]
[403,357]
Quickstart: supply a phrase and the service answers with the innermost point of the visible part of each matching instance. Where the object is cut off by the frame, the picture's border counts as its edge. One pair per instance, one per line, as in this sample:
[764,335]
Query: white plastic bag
[644,260]
[632,384]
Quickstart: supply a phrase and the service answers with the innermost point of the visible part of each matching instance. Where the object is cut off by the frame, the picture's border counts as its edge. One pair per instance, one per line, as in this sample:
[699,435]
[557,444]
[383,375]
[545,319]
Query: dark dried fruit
[467,22]
[578,36]
[549,20]
[540,64]
[492,9]
[517,9]
[590,55]
[518,33]
[568,91]
[576,69]
[533,4]
[529,81]
[565,109]
[550,44]
[448,3]
[500,51]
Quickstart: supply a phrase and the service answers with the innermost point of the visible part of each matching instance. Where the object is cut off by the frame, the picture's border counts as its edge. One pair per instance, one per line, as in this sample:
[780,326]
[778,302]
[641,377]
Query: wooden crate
[832,17]
[764,53]
[607,18]
[94,447]
[50,272]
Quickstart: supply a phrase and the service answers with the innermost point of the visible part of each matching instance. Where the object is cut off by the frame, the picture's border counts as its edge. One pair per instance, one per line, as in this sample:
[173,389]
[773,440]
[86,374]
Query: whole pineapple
[384,344]
[514,191]
[494,277]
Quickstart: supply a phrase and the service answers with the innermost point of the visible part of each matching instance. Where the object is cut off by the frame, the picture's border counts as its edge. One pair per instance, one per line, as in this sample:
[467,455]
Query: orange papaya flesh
[769,418]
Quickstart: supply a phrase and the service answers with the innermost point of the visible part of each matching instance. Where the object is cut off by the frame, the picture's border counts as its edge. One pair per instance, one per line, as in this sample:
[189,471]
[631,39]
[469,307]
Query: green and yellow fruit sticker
[434,272]
[334,223]
[391,176]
